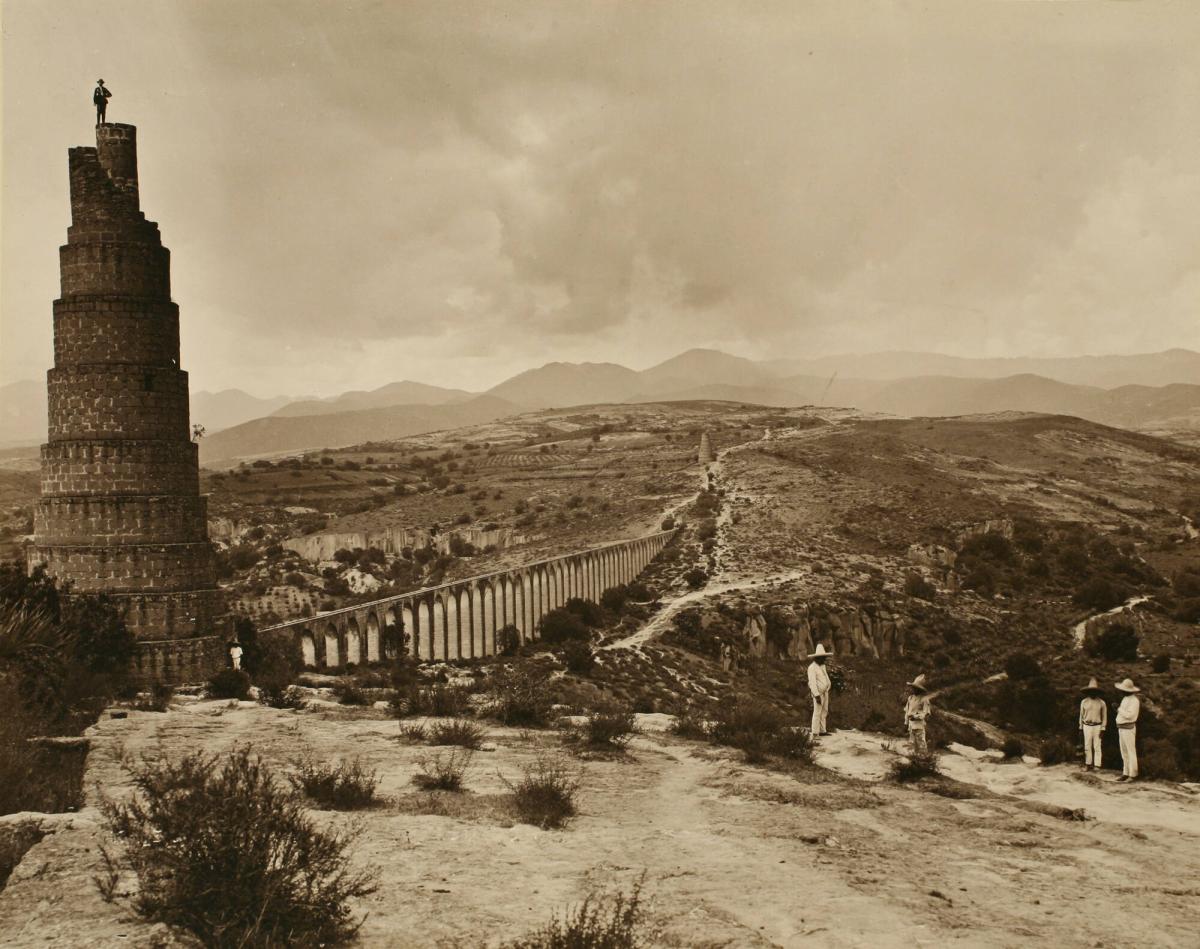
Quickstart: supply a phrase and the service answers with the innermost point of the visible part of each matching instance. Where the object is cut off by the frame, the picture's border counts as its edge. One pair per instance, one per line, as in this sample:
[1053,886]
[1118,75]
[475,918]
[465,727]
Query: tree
[1116,643]
[562,625]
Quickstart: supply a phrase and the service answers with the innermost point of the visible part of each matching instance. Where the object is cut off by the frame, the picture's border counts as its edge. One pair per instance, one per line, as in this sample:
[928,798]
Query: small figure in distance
[235,654]
[820,686]
[1093,720]
[1127,716]
[100,99]
[916,713]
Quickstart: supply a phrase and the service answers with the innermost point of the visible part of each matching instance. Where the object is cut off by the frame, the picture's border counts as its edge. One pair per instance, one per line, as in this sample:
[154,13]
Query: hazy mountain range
[1159,391]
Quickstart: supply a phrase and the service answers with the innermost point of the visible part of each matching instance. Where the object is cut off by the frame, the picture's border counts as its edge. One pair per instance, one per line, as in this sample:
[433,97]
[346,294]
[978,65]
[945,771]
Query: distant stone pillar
[706,452]
[120,509]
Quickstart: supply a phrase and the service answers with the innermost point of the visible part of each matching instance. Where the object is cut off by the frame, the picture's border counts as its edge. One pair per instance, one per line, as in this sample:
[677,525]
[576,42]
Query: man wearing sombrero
[1093,720]
[916,713]
[820,686]
[1127,716]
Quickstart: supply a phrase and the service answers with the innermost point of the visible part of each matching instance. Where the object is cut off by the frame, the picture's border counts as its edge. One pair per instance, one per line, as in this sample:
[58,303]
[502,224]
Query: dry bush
[612,922]
[229,684]
[443,771]
[288,697]
[914,768]
[690,723]
[1057,751]
[220,849]
[414,734]
[609,728]
[461,732]
[759,730]
[438,701]
[545,794]
[346,786]
[348,692]
[1013,749]
[521,695]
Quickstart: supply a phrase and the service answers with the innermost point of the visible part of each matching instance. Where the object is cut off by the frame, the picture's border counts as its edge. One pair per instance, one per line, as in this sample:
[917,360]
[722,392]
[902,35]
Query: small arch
[489,620]
[373,652]
[453,632]
[308,647]
[332,652]
[410,630]
[353,642]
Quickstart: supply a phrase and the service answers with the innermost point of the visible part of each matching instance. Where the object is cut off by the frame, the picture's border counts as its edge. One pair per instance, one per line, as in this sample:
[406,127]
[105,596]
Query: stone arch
[558,595]
[507,602]
[478,637]
[353,642]
[333,656]
[438,632]
[453,632]
[408,618]
[466,624]
[488,626]
[374,653]
[308,647]
[538,579]
[425,622]
[519,617]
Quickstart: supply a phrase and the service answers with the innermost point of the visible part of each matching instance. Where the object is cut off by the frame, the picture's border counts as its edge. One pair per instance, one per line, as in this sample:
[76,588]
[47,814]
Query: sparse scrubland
[660,734]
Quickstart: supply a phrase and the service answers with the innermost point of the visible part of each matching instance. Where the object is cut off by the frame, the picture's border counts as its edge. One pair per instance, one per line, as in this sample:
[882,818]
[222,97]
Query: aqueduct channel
[459,620]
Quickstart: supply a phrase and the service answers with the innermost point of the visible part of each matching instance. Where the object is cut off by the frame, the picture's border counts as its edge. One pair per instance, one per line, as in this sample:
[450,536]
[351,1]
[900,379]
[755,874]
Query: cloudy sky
[359,192]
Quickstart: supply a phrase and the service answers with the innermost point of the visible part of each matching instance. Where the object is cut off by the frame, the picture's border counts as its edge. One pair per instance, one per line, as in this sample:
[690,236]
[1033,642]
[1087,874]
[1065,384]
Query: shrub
[1161,663]
[347,692]
[289,697]
[578,658]
[562,625]
[1159,760]
[914,768]
[508,639]
[917,586]
[222,850]
[609,728]
[443,771]
[1056,750]
[1116,643]
[759,730]
[1021,665]
[438,701]
[1101,593]
[346,786]
[695,578]
[612,923]
[414,734]
[614,598]
[690,724]
[1012,748]
[521,695]
[545,794]
[586,610]
[461,732]
[229,684]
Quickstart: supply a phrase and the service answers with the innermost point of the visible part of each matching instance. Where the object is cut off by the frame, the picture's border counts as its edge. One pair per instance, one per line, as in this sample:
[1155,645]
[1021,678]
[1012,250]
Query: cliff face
[851,631]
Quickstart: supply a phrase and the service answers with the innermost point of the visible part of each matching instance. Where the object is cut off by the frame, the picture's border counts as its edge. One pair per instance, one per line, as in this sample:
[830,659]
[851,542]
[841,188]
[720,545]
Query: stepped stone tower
[706,453]
[121,511]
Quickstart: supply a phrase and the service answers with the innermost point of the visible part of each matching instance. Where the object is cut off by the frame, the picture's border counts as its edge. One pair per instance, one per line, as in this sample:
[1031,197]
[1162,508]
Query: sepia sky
[360,192]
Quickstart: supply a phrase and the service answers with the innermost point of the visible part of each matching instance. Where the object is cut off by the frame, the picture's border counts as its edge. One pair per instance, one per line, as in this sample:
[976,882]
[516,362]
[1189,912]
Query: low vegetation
[220,849]
[915,767]
[609,727]
[545,794]
[443,771]
[229,684]
[346,786]
[599,922]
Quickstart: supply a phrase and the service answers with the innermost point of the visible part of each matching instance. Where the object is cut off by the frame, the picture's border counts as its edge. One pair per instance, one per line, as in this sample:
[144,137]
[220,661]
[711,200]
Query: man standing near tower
[100,98]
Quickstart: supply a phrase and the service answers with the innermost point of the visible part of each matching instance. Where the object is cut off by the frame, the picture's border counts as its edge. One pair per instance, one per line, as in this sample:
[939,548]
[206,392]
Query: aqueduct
[459,620]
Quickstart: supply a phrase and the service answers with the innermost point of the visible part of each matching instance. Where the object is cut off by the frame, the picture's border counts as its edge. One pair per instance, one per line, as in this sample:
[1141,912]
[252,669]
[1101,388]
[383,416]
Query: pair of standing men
[1093,720]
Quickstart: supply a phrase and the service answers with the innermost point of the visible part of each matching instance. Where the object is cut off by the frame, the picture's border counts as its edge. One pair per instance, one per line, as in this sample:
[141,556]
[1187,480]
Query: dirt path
[733,855]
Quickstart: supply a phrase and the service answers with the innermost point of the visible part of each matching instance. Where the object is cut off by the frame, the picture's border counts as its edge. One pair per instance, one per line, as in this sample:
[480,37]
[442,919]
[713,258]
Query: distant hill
[229,407]
[567,383]
[275,433]
[1106,372]
[394,393]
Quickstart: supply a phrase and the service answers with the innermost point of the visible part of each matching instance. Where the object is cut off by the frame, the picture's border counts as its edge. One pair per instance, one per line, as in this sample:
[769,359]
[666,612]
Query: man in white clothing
[1093,719]
[1127,716]
[820,686]
[235,654]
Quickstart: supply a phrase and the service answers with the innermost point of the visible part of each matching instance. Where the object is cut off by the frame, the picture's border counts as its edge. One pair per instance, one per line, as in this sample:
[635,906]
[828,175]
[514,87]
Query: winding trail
[1079,630]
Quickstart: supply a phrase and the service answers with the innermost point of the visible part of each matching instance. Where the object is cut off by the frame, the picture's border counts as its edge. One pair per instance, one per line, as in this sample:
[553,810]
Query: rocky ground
[733,855]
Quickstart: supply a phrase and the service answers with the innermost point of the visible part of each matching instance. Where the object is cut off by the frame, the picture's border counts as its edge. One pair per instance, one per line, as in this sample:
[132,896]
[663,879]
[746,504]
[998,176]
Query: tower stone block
[120,510]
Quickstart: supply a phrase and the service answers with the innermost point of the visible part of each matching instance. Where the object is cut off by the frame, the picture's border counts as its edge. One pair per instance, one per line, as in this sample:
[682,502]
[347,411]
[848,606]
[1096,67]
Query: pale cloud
[358,192]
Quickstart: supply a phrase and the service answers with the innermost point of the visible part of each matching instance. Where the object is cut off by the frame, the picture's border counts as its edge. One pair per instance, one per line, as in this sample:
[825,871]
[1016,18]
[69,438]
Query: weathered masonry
[459,620]
[120,509]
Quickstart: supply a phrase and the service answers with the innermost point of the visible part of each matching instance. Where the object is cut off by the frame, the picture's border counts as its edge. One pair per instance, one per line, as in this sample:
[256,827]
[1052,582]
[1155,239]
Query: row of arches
[462,620]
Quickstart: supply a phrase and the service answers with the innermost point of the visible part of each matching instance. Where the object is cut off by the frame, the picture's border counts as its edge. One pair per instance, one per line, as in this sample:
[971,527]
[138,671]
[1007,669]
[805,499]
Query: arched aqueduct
[459,620]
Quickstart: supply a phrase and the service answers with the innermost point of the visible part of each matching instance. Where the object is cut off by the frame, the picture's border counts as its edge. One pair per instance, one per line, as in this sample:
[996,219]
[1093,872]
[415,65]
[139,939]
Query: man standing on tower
[100,98]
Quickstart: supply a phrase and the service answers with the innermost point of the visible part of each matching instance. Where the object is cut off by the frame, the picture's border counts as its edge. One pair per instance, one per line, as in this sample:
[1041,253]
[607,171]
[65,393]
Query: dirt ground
[733,855]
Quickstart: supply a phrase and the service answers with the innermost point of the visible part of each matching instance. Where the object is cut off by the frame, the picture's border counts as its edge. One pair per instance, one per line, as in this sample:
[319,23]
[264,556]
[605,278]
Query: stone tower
[706,452]
[121,511]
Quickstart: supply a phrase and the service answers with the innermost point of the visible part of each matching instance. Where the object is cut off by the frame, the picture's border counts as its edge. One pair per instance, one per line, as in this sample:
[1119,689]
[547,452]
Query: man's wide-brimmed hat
[919,683]
[1092,686]
[1127,685]
[99,82]
[820,652]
